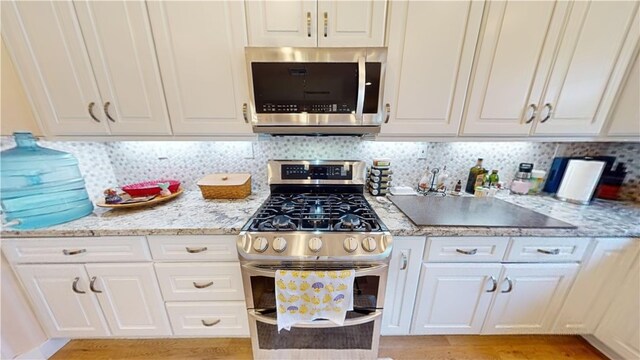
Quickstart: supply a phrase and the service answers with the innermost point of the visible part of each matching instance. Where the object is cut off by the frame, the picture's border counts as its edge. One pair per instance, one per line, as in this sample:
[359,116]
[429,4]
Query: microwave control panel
[274,108]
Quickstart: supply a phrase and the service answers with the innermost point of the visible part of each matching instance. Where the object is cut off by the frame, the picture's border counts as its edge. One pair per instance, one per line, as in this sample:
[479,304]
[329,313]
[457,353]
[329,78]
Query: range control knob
[315,244]
[279,244]
[350,244]
[260,244]
[369,244]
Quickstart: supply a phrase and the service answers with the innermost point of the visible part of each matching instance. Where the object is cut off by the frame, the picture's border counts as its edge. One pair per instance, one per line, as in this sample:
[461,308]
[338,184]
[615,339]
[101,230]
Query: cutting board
[472,212]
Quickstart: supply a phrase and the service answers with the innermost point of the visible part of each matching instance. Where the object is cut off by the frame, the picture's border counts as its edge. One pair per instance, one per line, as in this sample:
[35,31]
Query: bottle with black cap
[473,175]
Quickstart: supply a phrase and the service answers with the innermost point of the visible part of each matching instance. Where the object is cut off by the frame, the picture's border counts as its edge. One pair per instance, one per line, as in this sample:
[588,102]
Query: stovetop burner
[315,212]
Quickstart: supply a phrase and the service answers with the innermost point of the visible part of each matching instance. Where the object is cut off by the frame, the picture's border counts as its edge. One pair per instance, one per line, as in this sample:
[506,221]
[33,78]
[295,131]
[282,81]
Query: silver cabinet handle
[308,24]
[74,252]
[214,322]
[510,283]
[404,261]
[106,111]
[467,252]
[245,112]
[549,252]
[494,284]
[91,105]
[326,23]
[549,112]
[387,109]
[533,113]
[202,286]
[74,286]
[92,286]
[194,251]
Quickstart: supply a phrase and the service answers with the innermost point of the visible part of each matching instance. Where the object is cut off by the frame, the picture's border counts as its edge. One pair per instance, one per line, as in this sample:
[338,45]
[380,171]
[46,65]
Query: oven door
[358,338]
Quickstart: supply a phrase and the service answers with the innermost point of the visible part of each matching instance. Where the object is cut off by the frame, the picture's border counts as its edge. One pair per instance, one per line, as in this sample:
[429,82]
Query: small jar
[520,186]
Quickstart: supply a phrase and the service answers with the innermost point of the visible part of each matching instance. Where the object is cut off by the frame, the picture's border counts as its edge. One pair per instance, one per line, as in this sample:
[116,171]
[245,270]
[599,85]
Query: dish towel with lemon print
[303,296]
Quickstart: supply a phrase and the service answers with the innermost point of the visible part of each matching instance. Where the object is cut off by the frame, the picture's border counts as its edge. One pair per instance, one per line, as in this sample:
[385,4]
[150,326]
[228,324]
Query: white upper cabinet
[49,53]
[550,68]
[625,118]
[431,48]
[89,67]
[282,23]
[120,45]
[200,48]
[311,23]
[597,46]
[515,55]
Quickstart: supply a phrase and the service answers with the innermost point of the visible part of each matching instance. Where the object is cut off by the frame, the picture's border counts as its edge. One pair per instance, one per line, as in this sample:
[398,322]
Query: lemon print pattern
[304,286]
[342,287]
[326,298]
[303,309]
[292,285]
[305,274]
[332,274]
[306,297]
[329,288]
[294,298]
[281,309]
[345,274]
[281,284]
[282,298]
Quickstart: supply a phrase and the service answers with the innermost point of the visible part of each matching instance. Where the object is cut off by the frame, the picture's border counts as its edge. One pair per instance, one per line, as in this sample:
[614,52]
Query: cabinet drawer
[198,281]
[197,247]
[76,250]
[220,318]
[559,249]
[465,249]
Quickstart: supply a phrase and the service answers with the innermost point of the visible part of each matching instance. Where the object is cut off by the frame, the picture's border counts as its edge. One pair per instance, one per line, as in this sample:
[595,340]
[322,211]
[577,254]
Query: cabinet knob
[308,24]
[555,251]
[74,286]
[549,112]
[245,112]
[326,23]
[404,261]
[494,284]
[91,105]
[467,252]
[534,110]
[74,252]
[210,323]
[195,250]
[387,109]
[106,111]
[202,286]
[510,286]
[92,285]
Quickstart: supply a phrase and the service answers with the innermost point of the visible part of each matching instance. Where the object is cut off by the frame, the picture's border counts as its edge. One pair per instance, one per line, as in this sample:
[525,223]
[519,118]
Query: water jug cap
[24,139]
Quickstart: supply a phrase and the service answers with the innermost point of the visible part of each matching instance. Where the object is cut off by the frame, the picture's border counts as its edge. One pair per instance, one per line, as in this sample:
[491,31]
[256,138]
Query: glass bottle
[474,172]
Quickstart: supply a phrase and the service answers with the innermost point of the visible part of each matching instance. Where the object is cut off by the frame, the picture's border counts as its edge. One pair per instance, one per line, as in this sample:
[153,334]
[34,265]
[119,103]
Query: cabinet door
[454,298]
[426,90]
[351,23]
[515,56]
[625,119]
[118,39]
[62,311]
[529,297]
[48,50]
[200,48]
[130,298]
[620,328]
[282,23]
[599,279]
[593,56]
[402,284]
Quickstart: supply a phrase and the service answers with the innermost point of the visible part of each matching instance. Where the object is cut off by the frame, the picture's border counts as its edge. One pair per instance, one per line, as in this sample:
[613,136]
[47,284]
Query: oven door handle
[362,86]
[256,271]
[319,323]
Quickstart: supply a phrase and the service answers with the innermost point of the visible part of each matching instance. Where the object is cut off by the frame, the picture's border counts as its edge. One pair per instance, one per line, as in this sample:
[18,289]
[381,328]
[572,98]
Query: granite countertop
[193,215]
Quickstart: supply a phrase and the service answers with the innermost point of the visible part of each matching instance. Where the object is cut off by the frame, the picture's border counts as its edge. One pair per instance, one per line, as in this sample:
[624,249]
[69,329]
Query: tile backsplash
[107,164]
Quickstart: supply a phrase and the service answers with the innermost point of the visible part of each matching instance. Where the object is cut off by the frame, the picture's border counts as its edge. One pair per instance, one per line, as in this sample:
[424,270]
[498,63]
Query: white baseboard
[591,339]
[45,350]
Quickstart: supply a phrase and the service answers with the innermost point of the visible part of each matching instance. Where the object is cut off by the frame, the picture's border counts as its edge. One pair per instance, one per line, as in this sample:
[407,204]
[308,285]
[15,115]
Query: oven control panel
[277,108]
[315,172]
[327,246]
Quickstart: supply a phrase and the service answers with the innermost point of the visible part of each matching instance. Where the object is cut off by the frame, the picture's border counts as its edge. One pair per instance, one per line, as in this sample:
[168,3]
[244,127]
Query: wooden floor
[396,347]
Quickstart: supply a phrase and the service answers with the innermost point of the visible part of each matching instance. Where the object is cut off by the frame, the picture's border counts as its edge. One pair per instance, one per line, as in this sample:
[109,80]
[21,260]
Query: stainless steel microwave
[316,90]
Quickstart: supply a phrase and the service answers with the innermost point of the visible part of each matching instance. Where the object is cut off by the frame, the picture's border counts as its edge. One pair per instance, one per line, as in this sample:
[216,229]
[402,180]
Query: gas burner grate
[315,212]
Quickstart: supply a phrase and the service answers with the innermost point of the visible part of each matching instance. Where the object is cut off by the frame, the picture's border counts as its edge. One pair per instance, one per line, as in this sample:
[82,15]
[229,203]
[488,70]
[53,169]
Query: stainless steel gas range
[316,218]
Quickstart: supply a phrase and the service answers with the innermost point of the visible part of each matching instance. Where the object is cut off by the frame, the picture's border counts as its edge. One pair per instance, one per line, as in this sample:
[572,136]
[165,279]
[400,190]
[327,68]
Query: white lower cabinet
[214,318]
[402,284]
[620,327]
[529,297]
[454,298]
[62,300]
[130,298]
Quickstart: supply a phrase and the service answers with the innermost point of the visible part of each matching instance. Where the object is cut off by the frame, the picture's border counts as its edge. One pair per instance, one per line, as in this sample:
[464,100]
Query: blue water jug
[40,187]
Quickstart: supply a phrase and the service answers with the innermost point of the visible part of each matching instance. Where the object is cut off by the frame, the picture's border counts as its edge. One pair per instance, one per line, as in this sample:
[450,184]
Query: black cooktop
[315,212]
[473,212]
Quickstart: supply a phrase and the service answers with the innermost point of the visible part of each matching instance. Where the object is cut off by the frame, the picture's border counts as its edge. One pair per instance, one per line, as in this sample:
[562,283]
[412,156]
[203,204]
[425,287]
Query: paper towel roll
[580,181]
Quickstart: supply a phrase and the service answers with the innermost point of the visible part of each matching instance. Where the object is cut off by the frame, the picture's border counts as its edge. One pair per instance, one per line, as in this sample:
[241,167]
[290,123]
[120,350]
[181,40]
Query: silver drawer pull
[74,252]
[467,252]
[549,252]
[196,250]
[404,261]
[214,322]
[202,286]
[510,286]
[74,286]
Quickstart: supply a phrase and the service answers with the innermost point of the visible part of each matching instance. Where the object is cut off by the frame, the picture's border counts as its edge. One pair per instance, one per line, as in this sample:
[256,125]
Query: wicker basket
[225,186]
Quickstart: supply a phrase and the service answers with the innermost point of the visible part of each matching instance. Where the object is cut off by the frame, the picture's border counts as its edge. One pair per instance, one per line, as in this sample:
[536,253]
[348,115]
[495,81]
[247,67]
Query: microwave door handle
[362,79]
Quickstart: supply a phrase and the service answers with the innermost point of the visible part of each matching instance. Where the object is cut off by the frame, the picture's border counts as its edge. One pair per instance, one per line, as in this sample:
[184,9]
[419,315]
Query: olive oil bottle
[474,172]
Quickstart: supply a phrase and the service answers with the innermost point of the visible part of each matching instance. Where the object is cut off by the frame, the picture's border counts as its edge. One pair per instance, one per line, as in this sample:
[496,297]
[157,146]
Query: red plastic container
[149,188]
